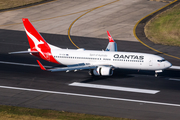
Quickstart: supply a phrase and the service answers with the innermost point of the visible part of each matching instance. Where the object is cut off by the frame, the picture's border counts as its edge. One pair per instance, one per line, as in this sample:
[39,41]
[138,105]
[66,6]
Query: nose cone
[168,64]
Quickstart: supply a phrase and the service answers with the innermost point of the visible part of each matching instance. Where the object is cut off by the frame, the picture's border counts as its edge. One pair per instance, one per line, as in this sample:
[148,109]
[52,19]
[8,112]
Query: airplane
[99,63]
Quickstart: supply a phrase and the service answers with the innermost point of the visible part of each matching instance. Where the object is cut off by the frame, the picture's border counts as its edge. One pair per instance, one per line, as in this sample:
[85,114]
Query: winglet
[109,36]
[112,46]
[41,66]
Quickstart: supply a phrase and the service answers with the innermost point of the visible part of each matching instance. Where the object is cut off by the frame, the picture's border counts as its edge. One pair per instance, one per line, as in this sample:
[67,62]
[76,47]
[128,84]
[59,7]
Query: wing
[112,46]
[68,68]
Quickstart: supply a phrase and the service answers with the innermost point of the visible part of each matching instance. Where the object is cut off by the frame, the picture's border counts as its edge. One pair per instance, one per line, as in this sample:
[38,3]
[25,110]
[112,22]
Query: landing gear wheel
[156,74]
[91,73]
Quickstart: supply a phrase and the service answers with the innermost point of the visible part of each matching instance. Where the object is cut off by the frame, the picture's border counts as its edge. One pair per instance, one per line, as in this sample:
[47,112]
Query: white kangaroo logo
[36,42]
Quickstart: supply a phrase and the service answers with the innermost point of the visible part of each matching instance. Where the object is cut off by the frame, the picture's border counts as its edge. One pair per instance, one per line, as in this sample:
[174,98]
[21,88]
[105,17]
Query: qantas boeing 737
[100,63]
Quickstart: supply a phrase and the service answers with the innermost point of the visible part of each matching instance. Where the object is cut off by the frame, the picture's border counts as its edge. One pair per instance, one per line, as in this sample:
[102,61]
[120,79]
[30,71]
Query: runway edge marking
[90,96]
[174,79]
[117,88]
[134,31]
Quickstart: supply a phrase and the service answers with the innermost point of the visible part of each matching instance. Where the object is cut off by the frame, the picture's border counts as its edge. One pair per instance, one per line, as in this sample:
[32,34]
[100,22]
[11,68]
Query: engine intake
[102,71]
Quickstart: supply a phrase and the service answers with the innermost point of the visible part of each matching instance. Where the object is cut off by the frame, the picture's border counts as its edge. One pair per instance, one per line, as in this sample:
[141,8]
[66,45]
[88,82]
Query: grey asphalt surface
[117,16]
[13,38]
[35,78]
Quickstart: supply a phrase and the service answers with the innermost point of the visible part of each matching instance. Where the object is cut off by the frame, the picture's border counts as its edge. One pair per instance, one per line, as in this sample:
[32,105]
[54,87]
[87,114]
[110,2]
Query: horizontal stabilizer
[21,52]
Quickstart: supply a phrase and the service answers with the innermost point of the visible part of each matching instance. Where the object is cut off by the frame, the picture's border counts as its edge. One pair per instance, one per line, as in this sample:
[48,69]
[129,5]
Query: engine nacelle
[103,71]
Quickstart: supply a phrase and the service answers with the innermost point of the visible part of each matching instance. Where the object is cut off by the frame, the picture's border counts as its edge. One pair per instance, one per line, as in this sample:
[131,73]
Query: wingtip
[41,66]
[109,36]
[24,19]
[108,33]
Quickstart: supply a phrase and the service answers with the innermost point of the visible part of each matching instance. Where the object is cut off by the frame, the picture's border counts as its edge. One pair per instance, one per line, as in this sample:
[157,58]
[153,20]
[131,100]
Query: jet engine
[102,71]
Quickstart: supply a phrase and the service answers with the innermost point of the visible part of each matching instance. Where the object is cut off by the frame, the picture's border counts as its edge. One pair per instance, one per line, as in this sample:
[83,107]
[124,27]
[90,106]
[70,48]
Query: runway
[30,77]
[23,83]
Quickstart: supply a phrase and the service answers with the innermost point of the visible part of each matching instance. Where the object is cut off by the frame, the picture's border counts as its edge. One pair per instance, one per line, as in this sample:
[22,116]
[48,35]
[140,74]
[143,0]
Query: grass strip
[20,113]
[10,4]
[165,27]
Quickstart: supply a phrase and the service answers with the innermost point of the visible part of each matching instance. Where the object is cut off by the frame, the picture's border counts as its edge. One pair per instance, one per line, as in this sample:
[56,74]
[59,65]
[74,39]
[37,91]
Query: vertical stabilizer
[37,42]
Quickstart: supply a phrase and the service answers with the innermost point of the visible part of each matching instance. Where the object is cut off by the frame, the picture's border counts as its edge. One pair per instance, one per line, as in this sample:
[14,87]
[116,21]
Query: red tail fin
[37,42]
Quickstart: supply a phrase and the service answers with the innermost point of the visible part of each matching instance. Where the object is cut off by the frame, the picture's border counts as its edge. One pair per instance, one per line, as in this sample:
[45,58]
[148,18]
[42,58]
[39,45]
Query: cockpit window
[161,60]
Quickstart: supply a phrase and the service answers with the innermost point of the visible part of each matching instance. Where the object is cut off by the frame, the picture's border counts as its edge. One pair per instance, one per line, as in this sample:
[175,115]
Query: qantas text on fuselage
[129,57]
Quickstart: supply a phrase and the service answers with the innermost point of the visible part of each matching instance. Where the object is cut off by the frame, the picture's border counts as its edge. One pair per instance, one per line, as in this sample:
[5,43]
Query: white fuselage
[124,60]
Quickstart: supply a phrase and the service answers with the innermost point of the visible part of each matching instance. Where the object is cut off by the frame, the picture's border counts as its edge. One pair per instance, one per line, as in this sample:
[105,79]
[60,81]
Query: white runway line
[23,64]
[174,79]
[175,67]
[107,87]
[90,96]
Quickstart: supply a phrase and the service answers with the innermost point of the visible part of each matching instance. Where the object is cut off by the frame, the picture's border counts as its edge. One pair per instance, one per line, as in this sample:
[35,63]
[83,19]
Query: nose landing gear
[157,71]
